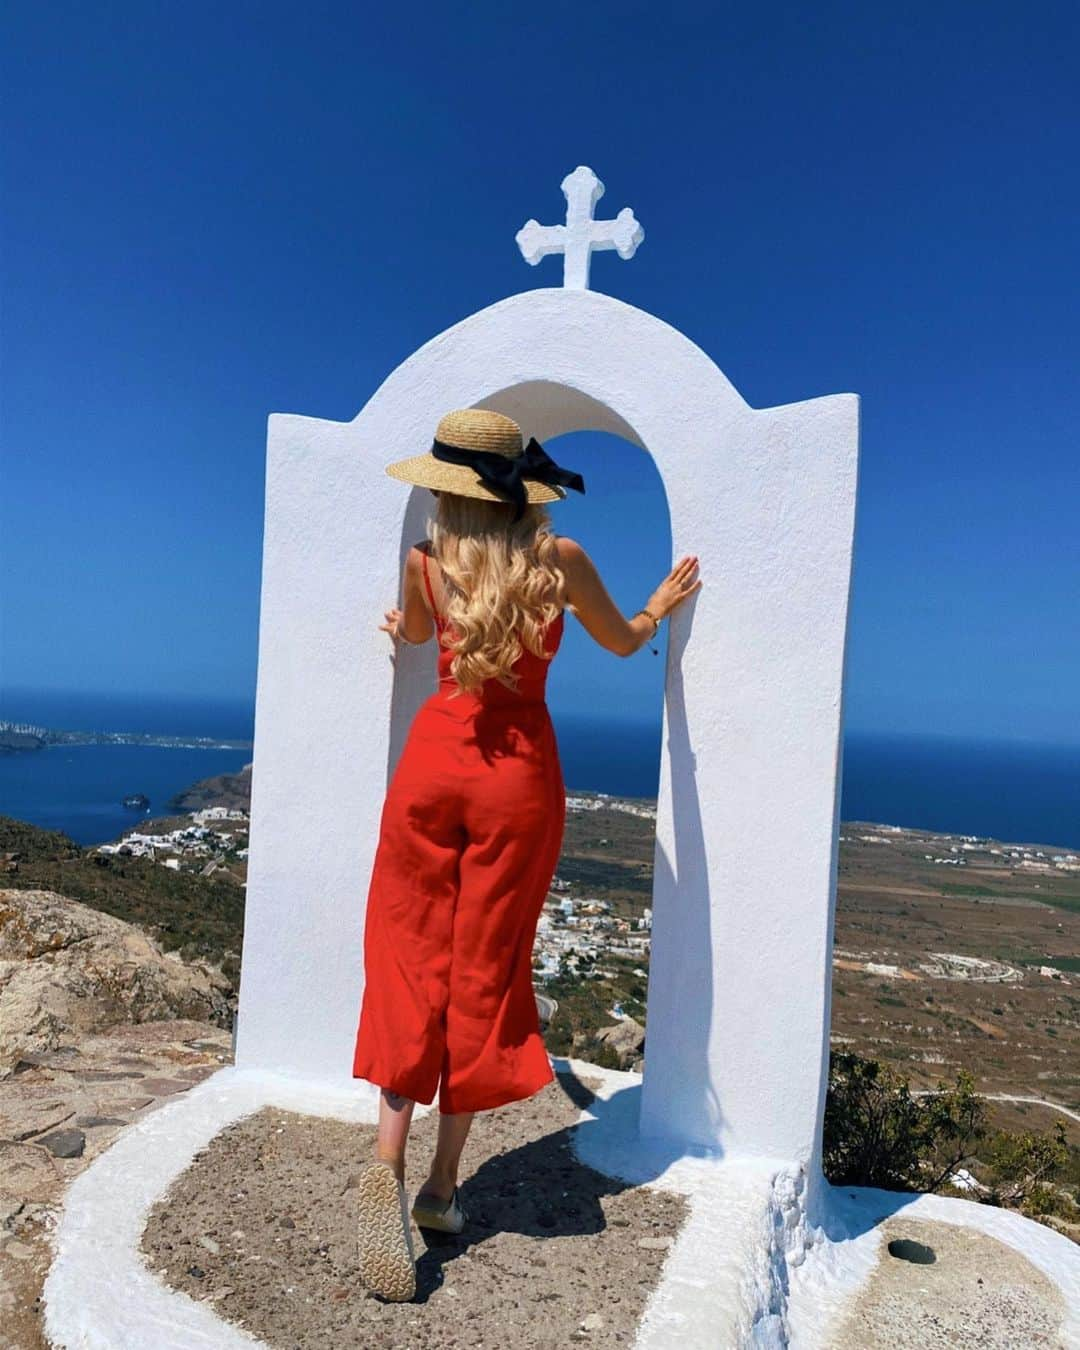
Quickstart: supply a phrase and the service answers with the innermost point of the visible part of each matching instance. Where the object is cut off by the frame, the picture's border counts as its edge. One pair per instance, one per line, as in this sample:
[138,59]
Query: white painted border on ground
[748,1240]
[99,1293]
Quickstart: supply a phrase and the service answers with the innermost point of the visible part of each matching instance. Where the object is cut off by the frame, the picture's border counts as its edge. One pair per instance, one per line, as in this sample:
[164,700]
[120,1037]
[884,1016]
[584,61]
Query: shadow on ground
[535,1190]
[262,1226]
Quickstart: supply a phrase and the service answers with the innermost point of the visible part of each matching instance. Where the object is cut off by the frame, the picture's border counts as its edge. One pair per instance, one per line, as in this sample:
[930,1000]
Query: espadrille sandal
[384,1237]
[446,1216]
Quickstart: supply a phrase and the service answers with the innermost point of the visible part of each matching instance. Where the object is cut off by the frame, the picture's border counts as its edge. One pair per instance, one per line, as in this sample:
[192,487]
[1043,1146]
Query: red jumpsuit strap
[427,582]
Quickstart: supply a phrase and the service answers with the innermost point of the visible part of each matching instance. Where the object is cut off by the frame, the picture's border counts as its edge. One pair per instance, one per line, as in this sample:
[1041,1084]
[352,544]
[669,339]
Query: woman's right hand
[598,613]
[677,586]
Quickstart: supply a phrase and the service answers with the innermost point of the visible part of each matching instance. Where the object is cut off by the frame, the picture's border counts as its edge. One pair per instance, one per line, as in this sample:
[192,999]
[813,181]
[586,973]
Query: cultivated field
[971,961]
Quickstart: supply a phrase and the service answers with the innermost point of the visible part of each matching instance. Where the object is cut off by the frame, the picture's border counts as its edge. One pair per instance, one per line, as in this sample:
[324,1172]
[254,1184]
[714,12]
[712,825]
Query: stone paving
[58,1110]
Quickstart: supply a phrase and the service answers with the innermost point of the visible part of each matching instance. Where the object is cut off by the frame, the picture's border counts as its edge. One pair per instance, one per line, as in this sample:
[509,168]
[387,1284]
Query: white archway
[746,852]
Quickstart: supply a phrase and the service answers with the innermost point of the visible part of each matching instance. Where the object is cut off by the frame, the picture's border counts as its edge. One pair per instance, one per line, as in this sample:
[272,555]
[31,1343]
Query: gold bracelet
[656,628]
[650,615]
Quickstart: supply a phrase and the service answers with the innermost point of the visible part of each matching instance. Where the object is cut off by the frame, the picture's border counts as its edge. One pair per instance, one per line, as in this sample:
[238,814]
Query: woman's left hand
[394,619]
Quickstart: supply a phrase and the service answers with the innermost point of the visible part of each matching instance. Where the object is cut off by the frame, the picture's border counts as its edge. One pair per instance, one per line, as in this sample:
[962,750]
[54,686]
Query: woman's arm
[598,613]
[413,622]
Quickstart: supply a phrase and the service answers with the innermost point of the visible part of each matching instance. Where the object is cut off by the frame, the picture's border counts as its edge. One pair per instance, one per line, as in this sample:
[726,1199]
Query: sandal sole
[384,1239]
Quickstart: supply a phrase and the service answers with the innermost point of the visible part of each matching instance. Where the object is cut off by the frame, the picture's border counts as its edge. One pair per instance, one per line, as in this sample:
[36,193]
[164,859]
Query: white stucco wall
[749,792]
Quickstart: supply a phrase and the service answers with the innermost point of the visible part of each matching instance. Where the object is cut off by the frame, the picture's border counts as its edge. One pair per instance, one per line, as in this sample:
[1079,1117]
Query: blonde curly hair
[503,585]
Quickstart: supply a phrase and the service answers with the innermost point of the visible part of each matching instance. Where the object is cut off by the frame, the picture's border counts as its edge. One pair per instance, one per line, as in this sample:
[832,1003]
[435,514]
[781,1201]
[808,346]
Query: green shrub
[877,1133]
[1021,1166]
[599,1052]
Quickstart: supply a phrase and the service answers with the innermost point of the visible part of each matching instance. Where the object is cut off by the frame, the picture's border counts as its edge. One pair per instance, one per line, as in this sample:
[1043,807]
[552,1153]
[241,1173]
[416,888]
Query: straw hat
[479,440]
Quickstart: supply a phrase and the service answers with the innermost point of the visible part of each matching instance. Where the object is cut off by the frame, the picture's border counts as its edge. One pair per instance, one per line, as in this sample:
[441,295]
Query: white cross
[581,234]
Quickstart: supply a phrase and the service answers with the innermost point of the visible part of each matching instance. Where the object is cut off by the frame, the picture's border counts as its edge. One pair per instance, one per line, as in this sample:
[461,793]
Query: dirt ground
[263,1225]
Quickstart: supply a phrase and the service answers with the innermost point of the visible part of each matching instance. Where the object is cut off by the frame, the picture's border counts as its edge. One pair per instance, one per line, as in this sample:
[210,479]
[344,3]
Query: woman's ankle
[440,1183]
[395,1160]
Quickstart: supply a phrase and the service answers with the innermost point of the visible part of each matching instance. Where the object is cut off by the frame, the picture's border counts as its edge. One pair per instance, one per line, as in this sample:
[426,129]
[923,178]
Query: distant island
[21,736]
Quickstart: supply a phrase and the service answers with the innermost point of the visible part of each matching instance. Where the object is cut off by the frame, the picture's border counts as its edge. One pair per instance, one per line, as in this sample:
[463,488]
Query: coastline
[1004,790]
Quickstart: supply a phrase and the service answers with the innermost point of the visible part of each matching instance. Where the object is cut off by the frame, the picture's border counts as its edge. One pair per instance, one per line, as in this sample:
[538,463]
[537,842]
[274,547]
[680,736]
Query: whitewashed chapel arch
[746,850]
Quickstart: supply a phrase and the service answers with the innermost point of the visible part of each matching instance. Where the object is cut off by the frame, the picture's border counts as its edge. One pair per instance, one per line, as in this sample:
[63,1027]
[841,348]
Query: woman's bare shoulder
[570,551]
[415,565]
[414,558]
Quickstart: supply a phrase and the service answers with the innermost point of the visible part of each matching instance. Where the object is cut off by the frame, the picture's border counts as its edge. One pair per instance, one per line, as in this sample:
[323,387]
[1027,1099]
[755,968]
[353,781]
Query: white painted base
[749,1268]
[849,1242]
[720,1282]
[99,1294]
[770,1256]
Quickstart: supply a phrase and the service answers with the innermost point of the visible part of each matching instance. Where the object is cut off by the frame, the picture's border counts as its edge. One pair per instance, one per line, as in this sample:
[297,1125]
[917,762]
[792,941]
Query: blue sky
[216,212]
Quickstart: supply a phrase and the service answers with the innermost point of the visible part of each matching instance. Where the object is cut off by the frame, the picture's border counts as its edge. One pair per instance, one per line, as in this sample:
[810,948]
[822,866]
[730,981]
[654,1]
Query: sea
[1022,792]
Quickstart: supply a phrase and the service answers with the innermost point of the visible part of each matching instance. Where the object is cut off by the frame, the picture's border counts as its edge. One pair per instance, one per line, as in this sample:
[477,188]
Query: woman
[473,819]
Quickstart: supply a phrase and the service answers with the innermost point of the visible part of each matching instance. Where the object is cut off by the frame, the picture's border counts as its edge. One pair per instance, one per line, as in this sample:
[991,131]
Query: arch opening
[591,957]
[557,411]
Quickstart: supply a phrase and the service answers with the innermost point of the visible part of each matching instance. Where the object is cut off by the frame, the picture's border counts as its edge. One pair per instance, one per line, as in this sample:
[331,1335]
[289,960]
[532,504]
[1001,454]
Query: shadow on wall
[414,667]
[684,881]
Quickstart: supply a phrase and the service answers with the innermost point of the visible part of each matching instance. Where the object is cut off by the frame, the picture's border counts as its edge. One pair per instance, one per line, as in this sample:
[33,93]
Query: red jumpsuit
[469,839]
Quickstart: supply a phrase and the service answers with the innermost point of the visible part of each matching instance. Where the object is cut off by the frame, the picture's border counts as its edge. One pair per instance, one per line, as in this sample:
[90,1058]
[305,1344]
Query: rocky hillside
[199,917]
[68,971]
[224,789]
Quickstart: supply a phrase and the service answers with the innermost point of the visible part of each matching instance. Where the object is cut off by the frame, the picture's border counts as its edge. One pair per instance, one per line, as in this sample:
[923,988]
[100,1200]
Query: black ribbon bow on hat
[503,474]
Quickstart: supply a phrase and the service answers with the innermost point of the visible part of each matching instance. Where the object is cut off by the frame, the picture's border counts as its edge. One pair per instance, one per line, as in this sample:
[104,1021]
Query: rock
[210,1245]
[654,1244]
[23,1117]
[130,1103]
[197,1072]
[36,1212]
[19,1250]
[64,1143]
[60,1058]
[593,1322]
[28,1171]
[10,1205]
[103,1075]
[626,1038]
[67,971]
[95,1122]
[164,1087]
